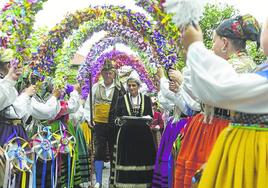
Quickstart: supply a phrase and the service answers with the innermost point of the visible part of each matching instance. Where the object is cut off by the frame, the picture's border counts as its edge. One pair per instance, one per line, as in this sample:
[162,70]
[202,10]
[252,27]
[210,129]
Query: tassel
[208,114]
[185,12]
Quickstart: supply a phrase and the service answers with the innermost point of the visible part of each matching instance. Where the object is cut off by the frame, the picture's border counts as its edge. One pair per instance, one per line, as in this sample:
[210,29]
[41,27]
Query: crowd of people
[205,127]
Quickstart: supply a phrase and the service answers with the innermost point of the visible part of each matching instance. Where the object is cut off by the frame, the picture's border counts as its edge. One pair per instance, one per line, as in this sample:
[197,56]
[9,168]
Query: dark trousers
[104,133]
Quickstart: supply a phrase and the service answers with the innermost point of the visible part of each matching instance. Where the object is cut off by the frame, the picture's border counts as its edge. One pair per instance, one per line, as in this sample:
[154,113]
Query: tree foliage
[214,14]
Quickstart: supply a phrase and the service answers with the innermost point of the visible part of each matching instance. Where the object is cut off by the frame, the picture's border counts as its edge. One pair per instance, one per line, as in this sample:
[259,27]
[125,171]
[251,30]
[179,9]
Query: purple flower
[33,1]
[69,88]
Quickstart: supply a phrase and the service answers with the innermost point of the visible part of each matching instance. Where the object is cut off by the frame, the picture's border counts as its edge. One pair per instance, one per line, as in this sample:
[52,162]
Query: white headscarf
[135,76]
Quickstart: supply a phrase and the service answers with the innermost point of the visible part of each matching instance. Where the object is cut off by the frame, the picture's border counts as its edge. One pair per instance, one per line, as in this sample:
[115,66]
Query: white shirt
[216,83]
[108,91]
[73,102]
[135,100]
[44,111]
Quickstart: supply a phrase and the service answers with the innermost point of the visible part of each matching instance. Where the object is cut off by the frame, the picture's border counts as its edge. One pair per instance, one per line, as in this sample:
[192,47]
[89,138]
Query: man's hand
[56,93]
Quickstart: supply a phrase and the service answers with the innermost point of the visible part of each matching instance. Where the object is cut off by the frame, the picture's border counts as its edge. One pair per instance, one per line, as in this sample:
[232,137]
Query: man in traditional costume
[105,95]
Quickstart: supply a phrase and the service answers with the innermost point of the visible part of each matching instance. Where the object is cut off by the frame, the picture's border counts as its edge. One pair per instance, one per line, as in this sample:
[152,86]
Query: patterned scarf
[241,27]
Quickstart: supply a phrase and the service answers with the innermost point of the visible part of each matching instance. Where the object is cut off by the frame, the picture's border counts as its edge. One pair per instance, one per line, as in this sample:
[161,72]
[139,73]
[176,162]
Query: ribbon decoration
[18,151]
[67,146]
[45,145]
[66,140]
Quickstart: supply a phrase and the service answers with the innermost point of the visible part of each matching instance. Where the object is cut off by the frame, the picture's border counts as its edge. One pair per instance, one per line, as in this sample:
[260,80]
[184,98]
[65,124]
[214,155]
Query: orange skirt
[196,147]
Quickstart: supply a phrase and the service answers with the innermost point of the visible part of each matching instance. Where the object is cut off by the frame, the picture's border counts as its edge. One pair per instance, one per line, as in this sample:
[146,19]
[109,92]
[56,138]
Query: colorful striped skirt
[170,134]
[239,159]
[196,146]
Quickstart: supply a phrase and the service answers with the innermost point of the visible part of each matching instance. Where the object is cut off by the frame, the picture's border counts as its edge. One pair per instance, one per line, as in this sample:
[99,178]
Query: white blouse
[184,98]
[216,83]
[45,111]
[8,93]
[19,108]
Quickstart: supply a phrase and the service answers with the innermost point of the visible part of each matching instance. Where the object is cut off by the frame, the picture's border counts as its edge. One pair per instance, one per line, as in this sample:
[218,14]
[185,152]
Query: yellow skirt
[239,159]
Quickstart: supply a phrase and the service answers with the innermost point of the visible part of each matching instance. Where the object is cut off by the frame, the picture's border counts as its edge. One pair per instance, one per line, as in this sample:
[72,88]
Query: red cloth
[157,120]
[63,112]
[196,146]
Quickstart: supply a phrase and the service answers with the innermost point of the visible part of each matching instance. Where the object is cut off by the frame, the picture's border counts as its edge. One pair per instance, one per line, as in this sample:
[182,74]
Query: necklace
[135,108]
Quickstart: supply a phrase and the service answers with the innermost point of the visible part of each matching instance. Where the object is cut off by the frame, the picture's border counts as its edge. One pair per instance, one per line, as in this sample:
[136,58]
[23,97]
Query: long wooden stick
[91,132]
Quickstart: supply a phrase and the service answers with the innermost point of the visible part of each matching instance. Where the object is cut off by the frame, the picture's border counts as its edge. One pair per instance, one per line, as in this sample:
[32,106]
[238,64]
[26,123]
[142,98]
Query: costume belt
[11,121]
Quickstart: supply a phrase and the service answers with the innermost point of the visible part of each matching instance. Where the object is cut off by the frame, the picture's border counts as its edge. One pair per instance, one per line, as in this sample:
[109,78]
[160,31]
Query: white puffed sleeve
[45,111]
[73,102]
[216,83]
[8,93]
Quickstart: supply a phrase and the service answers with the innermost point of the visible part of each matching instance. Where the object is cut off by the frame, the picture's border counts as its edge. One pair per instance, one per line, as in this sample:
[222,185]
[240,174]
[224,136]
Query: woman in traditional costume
[181,104]
[202,131]
[135,148]
[78,120]
[13,109]
[239,156]
[69,175]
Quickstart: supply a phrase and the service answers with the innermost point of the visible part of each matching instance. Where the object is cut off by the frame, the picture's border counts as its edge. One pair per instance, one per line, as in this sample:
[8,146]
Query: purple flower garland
[121,59]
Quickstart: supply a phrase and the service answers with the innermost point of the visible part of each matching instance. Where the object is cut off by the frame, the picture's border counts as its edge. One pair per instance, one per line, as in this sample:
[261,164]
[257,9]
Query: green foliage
[72,77]
[16,23]
[257,54]
[37,37]
[214,14]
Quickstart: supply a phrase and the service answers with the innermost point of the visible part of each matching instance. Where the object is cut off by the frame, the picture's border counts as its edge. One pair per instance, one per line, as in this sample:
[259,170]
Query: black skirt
[135,155]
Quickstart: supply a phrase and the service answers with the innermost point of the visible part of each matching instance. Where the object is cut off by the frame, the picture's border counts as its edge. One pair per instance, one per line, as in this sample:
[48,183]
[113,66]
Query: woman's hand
[30,91]
[175,75]
[160,72]
[192,34]
[174,86]
[56,93]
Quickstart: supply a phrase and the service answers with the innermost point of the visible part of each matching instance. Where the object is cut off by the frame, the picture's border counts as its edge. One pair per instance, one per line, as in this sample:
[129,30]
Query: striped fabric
[170,134]
[2,166]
